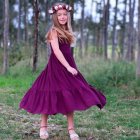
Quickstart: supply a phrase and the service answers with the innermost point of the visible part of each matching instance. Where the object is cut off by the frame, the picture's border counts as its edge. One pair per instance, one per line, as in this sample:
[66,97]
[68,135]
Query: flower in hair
[58,7]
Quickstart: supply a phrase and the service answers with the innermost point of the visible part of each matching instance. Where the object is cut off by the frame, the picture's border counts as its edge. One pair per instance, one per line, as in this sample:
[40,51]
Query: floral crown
[58,7]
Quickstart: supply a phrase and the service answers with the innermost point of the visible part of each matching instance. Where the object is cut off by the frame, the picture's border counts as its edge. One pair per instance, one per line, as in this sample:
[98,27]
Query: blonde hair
[63,34]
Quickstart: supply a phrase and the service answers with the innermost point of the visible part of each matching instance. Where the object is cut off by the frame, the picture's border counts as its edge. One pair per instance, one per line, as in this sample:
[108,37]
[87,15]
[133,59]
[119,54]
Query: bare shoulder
[53,33]
[54,40]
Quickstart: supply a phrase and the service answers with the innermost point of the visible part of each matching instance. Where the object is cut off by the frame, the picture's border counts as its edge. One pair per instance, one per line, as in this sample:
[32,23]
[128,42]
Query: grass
[119,120]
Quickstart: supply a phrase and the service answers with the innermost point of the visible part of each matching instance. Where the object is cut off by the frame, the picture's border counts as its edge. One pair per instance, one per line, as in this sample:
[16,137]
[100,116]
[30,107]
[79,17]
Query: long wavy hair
[64,35]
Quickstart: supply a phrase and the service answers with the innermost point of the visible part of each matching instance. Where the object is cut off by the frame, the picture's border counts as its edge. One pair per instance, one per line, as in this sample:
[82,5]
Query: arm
[57,51]
[59,54]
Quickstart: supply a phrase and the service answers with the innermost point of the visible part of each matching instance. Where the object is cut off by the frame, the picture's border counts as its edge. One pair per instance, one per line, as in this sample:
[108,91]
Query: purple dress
[56,90]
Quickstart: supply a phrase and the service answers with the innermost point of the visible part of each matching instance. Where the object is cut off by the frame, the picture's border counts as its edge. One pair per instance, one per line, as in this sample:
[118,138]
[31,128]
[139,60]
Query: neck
[64,27]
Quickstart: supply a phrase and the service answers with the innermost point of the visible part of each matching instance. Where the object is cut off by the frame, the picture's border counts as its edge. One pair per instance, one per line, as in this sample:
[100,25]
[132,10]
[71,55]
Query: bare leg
[70,120]
[44,120]
[43,126]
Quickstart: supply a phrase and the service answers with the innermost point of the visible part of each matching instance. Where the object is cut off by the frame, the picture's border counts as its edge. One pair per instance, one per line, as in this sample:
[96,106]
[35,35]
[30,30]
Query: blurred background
[107,52]
[107,28]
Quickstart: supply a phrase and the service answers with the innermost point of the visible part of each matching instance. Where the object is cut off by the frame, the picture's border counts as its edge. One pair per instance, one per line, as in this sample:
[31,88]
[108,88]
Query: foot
[73,134]
[43,132]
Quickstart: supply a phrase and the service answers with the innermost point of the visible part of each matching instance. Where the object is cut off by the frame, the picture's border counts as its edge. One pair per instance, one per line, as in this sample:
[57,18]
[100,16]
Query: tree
[25,20]
[19,22]
[6,37]
[114,31]
[138,56]
[72,19]
[35,51]
[105,31]
[99,26]
[1,21]
[82,41]
[122,44]
[130,49]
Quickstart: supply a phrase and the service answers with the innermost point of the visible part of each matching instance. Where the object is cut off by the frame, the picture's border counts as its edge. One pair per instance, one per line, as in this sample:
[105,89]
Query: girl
[60,87]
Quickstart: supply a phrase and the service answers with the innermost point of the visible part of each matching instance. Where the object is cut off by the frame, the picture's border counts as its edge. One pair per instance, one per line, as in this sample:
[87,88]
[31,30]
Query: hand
[72,70]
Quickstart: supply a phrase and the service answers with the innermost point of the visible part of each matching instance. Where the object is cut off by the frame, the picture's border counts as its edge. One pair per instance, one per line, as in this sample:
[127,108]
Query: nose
[62,17]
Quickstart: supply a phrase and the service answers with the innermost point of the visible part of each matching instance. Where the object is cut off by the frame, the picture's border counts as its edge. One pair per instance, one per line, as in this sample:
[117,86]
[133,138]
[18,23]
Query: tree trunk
[130,50]
[133,32]
[35,51]
[123,30]
[47,21]
[25,20]
[105,32]
[114,31]
[82,28]
[6,37]
[97,41]
[87,43]
[47,3]
[138,55]
[72,20]
[100,35]
[19,22]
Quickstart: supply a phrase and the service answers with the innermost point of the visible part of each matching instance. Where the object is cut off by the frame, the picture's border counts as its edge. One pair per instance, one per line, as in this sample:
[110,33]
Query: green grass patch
[119,120]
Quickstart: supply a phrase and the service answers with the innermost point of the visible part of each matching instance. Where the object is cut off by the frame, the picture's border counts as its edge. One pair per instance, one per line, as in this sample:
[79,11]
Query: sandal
[43,133]
[73,135]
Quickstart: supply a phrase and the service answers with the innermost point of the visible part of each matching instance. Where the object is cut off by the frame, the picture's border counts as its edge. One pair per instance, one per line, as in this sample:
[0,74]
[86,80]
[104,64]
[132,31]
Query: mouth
[62,20]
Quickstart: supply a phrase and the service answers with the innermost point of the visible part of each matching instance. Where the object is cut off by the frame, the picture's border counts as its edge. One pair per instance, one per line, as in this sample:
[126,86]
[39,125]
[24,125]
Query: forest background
[107,52]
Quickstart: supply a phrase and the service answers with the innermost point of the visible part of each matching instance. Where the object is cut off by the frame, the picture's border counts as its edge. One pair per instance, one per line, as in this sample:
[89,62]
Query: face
[62,16]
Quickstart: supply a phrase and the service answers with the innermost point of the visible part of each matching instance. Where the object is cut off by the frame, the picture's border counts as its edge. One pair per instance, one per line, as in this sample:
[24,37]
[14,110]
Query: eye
[58,14]
[65,14]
